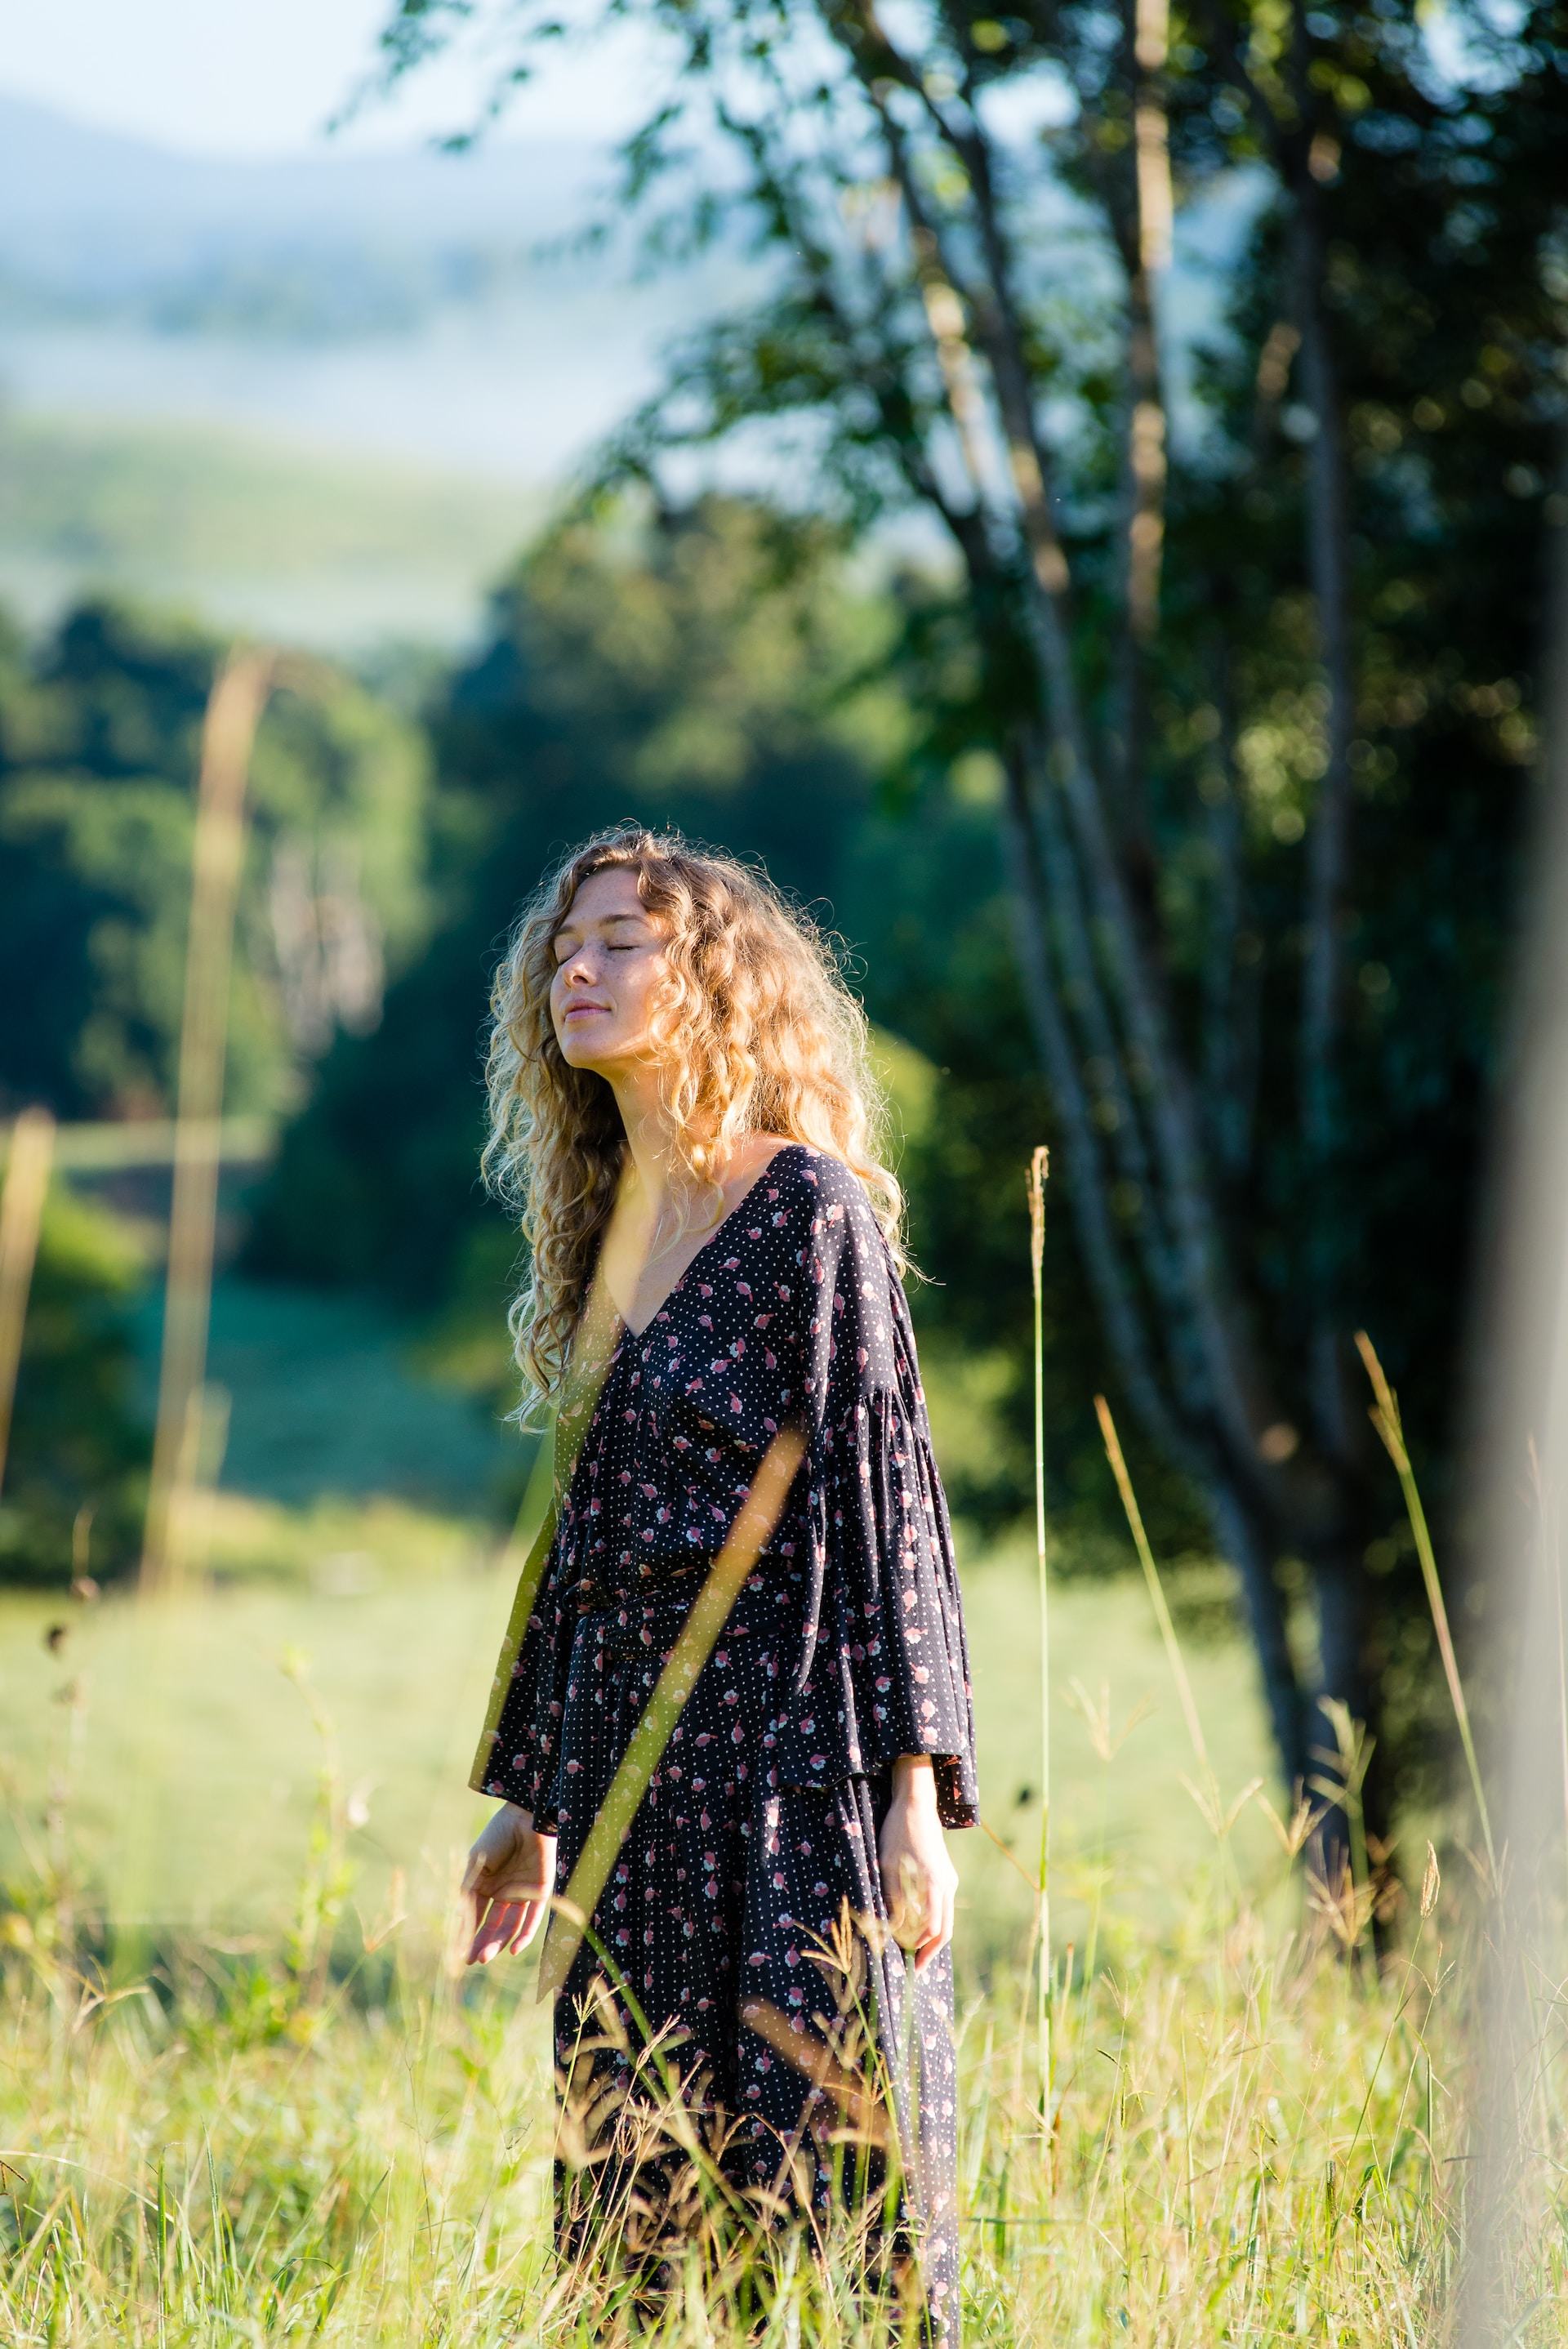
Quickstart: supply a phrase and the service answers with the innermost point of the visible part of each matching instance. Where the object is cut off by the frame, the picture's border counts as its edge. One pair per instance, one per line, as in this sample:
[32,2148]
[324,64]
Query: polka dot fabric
[845,1648]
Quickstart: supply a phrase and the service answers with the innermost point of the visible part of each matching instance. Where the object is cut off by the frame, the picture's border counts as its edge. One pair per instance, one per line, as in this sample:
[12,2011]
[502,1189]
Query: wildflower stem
[1039,1167]
[1386,1419]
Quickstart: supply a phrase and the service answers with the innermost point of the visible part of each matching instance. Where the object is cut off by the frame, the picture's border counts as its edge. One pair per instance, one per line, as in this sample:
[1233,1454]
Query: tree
[99,729]
[1182,674]
[76,1468]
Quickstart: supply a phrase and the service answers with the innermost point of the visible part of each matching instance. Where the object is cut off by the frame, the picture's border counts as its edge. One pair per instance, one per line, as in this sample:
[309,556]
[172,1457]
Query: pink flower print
[920,1672]
[649,1492]
[705,1288]
[736,1404]
[737,1347]
[732,1264]
[791,1955]
[780,1216]
[758,1958]
[761,1320]
[780,1880]
[861,1356]
[835,1213]
[770,1424]
[743,1289]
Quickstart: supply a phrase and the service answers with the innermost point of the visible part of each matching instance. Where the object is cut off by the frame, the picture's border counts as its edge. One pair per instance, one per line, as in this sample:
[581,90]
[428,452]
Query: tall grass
[332,2133]
[329,2132]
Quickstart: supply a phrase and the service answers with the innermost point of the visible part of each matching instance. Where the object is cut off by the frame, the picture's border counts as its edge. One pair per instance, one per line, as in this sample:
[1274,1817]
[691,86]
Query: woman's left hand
[919,1883]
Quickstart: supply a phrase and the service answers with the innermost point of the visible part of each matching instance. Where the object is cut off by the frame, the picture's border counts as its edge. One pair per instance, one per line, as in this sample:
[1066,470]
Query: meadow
[248,2092]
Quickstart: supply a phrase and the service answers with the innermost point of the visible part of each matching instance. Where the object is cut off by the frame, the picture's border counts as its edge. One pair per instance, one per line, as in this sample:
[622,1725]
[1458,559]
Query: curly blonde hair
[756,1031]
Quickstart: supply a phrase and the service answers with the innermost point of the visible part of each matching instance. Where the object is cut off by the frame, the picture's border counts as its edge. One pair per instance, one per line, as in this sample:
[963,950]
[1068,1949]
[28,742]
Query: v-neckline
[636,1335]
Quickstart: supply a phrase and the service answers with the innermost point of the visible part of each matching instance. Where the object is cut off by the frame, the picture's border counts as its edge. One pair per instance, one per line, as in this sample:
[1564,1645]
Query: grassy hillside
[311,545]
[394,1619]
[1244,2145]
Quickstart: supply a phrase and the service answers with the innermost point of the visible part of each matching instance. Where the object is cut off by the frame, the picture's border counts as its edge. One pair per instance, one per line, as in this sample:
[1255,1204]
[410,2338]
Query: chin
[582,1052]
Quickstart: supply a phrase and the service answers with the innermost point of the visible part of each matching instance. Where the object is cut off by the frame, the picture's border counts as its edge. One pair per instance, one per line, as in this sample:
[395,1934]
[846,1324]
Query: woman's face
[609,966]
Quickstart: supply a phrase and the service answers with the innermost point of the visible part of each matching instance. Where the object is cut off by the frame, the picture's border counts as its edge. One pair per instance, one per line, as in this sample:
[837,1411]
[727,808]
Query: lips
[572,1010]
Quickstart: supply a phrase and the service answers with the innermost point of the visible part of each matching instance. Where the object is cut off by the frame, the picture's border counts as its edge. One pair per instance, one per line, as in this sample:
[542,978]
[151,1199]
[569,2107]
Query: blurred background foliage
[77,1466]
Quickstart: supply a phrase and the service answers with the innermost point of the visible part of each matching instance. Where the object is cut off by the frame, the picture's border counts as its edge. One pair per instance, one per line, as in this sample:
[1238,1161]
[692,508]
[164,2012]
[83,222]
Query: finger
[477,1939]
[911,1902]
[939,1917]
[524,1884]
[494,1933]
[930,1939]
[940,1934]
[527,1927]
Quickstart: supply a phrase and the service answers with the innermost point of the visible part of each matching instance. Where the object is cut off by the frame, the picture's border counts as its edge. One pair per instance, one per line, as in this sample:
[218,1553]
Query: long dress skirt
[743,1969]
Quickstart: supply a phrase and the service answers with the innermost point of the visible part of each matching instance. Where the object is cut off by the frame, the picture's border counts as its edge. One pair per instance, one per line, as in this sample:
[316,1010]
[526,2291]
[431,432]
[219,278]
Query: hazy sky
[261,76]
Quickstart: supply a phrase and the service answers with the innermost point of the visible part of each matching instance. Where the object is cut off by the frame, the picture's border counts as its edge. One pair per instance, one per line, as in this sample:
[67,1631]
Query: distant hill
[325,395]
[91,221]
[307,545]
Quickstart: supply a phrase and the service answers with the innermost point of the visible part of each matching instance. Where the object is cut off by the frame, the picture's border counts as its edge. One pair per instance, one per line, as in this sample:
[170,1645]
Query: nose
[578,968]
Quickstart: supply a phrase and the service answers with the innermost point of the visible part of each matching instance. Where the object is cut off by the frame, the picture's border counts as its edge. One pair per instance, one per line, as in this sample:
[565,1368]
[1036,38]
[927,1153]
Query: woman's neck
[660,1183]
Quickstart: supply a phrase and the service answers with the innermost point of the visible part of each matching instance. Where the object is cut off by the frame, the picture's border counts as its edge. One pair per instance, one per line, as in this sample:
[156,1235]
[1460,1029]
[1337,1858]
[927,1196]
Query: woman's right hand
[506,1883]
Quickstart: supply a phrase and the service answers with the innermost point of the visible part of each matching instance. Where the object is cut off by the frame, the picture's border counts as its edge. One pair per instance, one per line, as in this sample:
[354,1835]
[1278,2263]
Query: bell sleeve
[517,1754]
[901,1642]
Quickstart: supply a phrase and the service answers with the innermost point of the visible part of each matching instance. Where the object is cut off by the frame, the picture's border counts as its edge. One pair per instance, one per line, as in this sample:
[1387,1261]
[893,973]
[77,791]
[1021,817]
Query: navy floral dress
[744,1917]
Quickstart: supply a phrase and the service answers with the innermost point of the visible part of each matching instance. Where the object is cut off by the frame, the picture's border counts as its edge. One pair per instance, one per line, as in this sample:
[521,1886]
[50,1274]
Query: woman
[681,1111]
